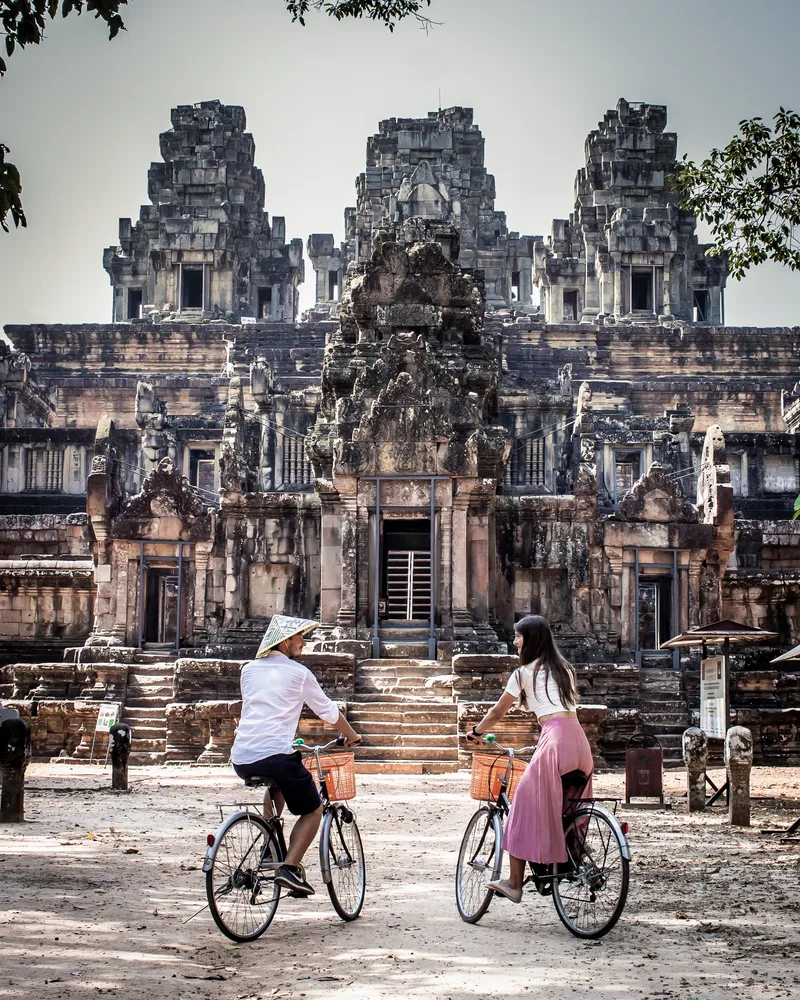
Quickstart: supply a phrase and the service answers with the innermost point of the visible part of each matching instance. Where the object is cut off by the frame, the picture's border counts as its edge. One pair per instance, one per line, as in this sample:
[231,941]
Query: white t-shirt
[274,690]
[545,699]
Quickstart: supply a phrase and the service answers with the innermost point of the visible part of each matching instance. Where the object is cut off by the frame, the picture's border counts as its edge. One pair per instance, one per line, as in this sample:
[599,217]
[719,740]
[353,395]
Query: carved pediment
[658,498]
[165,493]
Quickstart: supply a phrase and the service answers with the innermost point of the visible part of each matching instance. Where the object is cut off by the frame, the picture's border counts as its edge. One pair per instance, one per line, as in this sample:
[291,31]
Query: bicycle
[244,854]
[589,890]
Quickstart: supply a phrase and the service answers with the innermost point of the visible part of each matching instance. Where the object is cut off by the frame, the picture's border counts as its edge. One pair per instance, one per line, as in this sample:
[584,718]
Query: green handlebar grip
[299,742]
[489,737]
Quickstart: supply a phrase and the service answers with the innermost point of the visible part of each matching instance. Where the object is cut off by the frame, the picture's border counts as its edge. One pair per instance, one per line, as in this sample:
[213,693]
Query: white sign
[107,716]
[712,697]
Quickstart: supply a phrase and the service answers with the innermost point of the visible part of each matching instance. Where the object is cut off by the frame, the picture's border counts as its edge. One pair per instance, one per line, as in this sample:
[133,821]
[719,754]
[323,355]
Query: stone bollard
[738,762]
[695,757]
[15,754]
[120,735]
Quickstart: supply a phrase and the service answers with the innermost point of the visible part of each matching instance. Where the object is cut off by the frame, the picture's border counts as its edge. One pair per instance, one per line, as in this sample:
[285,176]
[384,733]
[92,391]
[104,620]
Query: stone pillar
[346,618]
[201,557]
[618,297]
[15,753]
[738,762]
[695,757]
[461,613]
[121,736]
[479,565]
[444,545]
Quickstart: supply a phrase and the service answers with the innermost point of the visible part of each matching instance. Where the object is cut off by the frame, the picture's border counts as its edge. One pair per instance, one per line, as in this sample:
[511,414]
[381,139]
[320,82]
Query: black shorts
[291,776]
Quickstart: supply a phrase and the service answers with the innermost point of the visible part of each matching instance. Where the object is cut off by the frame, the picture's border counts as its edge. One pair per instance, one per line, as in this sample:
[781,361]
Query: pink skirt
[535,831]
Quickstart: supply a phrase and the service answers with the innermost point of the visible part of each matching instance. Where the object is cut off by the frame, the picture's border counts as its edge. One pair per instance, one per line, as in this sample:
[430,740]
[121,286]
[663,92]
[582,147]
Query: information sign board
[107,716]
[713,683]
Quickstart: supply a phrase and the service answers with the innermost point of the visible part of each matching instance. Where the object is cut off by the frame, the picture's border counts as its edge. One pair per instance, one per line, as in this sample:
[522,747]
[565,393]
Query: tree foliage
[749,193]
[387,11]
[23,22]
[10,192]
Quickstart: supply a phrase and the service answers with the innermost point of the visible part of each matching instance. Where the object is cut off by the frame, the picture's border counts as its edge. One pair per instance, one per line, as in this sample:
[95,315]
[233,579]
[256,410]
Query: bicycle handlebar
[491,740]
[300,744]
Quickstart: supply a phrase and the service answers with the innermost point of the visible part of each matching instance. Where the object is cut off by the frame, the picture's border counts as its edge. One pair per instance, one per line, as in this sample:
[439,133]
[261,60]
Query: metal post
[726,649]
[180,598]
[376,639]
[431,627]
[15,754]
[141,593]
[636,649]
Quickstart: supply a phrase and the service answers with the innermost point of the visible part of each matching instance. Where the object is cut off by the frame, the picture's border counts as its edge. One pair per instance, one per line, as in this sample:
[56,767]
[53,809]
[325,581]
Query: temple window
[202,468]
[780,474]
[700,305]
[627,469]
[297,469]
[515,296]
[134,303]
[265,303]
[571,306]
[527,465]
[333,286]
[44,470]
[191,287]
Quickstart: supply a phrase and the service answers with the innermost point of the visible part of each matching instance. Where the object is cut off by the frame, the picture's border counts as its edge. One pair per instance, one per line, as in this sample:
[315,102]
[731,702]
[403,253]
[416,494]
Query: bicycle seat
[574,779]
[256,780]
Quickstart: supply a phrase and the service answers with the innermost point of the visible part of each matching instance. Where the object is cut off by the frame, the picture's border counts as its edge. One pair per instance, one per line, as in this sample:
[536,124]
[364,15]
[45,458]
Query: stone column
[346,618]
[462,618]
[479,566]
[738,762]
[695,757]
[201,557]
[444,577]
[618,295]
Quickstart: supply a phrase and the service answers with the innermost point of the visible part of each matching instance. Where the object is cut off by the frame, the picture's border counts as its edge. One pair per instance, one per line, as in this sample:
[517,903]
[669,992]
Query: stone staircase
[409,723]
[663,708]
[149,693]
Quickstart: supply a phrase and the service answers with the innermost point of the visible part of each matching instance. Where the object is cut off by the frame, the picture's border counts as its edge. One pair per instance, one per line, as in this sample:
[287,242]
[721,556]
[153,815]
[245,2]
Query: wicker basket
[487,775]
[339,774]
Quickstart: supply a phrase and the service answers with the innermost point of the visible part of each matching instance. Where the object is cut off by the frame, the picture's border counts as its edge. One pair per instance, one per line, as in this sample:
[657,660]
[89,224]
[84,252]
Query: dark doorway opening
[700,305]
[192,297]
[406,569]
[642,290]
[333,286]
[264,303]
[655,612]
[134,303]
[571,306]
[162,606]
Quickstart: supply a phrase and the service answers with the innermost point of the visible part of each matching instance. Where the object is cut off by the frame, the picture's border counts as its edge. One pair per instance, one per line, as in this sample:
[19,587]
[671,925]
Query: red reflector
[210,839]
[624,828]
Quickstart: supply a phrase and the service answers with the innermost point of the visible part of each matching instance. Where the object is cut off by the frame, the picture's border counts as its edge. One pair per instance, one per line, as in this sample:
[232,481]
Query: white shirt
[274,690]
[545,699]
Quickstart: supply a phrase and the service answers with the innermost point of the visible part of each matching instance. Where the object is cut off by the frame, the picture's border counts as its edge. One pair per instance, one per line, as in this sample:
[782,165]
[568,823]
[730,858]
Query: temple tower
[628,250]
[205,247]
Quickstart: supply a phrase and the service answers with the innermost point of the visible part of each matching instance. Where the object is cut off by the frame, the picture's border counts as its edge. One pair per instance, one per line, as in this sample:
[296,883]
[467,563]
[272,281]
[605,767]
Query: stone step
[148,701]
[145,732]
[408,753]
[404,649]
[403,634]
[372,685]
[400,661]
[142,758]
[162,677]
[407,767]
[155,687]
[413,712]
[400,668]
[410,741]
[374,727]
[152,669]
[155,712]
[149,745]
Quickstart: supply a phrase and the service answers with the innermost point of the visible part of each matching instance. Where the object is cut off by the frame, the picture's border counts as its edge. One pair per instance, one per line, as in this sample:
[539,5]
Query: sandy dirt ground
[95,885]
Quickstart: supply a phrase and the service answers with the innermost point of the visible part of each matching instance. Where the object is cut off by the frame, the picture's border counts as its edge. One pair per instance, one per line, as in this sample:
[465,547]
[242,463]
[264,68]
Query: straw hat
[283,627]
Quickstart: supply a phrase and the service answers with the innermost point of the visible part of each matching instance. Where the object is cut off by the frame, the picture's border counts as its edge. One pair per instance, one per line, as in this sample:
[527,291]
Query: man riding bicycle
[274,689]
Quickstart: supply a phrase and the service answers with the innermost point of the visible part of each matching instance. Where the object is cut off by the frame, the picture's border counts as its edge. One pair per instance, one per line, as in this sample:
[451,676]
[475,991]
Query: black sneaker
[293,877]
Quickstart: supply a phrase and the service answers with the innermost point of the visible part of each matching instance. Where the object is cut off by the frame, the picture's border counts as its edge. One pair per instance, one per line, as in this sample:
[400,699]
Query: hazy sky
[82,115]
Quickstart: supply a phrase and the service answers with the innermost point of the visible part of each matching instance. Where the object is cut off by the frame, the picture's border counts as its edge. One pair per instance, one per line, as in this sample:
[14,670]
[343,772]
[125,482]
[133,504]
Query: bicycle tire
[241,900]
[472,874]
[341,857]
[601,867]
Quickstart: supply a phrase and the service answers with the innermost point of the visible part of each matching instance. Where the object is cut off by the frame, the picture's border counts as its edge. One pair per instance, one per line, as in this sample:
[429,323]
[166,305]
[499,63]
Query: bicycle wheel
[480,859]
[243,898]
[341,858]
[590,900]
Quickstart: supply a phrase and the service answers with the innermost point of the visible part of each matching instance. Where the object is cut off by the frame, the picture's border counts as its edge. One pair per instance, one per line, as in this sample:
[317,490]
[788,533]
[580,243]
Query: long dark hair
[539,645]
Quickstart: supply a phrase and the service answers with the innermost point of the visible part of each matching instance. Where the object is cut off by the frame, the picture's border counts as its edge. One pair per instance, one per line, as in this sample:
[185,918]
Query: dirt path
[95,885]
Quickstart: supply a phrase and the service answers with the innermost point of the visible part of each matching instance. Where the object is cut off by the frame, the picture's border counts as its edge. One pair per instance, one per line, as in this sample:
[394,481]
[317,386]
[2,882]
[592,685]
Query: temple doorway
[406,570]
[162,607]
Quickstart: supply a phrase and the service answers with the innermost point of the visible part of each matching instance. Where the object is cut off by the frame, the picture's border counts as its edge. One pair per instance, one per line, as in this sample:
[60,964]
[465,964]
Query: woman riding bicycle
[545,684]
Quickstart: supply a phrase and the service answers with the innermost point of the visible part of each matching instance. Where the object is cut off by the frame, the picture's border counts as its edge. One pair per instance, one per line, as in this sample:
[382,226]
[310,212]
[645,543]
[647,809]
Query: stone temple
[469,426]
